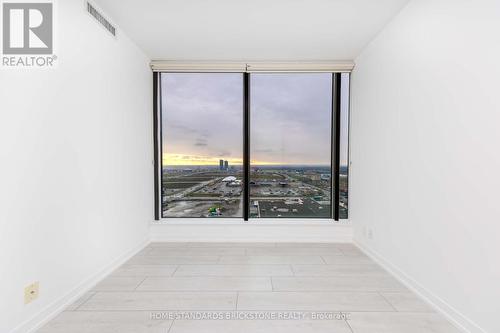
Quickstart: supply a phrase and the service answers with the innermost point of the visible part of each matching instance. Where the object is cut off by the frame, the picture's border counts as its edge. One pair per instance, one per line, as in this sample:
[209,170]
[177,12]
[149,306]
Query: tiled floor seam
[171,324]
[86,300]
[175,270]
[349,325]
[140,283]
[388,302]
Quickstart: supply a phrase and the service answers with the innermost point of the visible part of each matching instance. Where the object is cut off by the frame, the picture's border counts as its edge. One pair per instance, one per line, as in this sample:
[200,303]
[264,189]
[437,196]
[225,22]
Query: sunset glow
[184,159]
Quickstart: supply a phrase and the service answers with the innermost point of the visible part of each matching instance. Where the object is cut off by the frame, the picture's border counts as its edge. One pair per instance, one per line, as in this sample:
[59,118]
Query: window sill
[253,222]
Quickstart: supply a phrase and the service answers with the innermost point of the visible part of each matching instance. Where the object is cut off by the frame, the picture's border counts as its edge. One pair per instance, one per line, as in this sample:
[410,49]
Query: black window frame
[335,135]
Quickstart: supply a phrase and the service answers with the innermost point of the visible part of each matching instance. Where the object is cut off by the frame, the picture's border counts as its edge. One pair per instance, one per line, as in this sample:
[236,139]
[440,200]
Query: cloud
[201,142]
[265,150]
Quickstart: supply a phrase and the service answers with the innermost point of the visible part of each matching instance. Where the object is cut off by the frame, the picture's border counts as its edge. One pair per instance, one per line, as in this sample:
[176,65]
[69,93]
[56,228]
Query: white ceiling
[251,29]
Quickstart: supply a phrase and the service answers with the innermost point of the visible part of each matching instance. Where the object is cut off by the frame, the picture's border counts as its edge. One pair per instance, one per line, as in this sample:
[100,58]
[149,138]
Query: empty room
[182,166]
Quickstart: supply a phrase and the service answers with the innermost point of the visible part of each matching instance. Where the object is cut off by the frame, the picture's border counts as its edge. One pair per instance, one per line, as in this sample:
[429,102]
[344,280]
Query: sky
[290,117]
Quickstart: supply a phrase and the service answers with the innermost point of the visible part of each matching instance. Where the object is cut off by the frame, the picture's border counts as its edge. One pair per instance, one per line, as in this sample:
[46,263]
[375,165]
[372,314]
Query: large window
[287,131]
[202,142]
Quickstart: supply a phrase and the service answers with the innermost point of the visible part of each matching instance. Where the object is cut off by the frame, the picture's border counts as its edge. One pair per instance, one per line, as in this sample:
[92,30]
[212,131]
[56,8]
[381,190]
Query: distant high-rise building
[221,165]
[226,165]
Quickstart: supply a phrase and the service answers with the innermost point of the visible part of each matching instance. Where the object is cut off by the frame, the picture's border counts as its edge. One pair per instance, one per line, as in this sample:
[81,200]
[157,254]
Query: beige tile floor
[249,278]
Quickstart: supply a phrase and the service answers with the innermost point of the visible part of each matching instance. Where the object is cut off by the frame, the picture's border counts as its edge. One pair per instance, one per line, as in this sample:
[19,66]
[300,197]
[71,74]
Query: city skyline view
[290,145]
[198,103]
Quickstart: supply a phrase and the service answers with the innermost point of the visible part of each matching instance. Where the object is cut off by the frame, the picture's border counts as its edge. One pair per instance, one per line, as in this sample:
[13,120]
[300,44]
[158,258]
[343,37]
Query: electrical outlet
[31,292]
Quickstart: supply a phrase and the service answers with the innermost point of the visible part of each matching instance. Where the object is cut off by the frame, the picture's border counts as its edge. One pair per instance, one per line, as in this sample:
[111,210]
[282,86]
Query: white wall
[76,173]
[425,151]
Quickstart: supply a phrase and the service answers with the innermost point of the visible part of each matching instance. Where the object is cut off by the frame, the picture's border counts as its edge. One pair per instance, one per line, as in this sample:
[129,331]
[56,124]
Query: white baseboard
[56,307]
[251,233]
[449,312]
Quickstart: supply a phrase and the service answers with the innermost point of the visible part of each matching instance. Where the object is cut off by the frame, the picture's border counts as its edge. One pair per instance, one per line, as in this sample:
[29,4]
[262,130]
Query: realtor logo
[28,29]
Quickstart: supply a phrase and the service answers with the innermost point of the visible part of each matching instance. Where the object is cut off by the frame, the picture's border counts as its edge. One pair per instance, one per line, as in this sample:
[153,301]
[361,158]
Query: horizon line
[251,164]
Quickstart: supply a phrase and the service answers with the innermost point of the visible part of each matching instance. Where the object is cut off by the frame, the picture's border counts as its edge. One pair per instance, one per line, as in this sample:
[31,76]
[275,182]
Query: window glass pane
[202,133]
[290,145]
[344,147]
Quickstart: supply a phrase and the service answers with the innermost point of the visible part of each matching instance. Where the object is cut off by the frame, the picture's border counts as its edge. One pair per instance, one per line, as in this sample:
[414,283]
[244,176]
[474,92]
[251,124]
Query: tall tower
[221,165]
[226,165]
